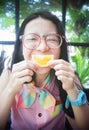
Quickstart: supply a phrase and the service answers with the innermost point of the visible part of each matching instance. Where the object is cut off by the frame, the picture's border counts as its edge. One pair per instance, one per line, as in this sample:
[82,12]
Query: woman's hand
[21,72]
[64,72]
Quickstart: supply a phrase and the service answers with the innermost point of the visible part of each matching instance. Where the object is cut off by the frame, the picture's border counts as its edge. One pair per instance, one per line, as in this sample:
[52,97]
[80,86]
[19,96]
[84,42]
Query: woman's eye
[32,39]
[53,40]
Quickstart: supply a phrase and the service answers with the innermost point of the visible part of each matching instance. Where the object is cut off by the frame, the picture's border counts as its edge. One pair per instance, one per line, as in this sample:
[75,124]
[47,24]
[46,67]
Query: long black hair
[17,54]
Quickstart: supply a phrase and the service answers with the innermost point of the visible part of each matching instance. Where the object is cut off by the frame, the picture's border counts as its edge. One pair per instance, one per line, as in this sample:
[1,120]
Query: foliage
[7,9]
[34,5]
[81,65]
[78,23]
[7,13]
[77,16]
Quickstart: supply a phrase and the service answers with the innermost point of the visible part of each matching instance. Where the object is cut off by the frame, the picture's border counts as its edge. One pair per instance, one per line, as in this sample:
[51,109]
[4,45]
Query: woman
[42,98]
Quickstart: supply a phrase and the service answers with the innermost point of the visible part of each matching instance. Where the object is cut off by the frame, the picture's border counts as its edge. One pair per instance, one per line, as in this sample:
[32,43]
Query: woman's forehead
[40,25]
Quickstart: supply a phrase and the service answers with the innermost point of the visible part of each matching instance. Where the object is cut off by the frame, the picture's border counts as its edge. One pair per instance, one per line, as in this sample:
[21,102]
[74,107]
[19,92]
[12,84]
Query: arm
[65,72]
[81,112]
[6,98]
[11,83]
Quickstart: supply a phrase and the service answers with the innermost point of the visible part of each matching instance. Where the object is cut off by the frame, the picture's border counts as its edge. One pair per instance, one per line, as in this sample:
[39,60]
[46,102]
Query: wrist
[79,101]
[73,93]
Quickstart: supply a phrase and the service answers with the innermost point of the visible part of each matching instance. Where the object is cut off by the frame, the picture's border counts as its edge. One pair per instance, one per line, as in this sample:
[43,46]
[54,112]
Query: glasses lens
[53,40]
[31,41]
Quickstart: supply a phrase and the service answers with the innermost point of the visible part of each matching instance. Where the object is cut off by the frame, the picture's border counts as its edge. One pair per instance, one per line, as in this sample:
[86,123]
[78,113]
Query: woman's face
[40,27]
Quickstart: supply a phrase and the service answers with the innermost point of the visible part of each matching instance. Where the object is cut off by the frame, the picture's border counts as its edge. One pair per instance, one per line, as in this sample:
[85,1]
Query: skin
[24,70]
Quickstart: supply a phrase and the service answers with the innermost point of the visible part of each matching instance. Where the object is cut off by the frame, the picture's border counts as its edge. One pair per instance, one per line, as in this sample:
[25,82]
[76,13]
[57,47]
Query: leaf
[81,65]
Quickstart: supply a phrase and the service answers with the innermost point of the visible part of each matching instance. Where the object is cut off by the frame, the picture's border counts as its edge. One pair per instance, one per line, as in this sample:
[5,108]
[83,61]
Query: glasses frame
[21,37]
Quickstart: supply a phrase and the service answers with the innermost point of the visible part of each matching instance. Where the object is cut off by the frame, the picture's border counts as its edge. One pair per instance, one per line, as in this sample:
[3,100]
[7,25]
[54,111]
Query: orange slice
[42,60]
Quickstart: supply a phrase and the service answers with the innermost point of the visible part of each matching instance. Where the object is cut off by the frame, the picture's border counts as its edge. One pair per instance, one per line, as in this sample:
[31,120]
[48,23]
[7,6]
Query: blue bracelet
[81,100]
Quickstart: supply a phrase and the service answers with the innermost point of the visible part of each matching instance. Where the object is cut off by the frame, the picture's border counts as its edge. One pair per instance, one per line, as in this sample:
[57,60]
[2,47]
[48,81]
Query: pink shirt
[37,118]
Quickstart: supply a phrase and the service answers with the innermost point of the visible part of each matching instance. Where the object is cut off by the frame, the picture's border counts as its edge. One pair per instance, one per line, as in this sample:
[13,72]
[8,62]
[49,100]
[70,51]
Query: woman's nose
[42,45]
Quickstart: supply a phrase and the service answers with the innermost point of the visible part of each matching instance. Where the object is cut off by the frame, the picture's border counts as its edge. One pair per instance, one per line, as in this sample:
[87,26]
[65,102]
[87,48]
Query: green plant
[81,64]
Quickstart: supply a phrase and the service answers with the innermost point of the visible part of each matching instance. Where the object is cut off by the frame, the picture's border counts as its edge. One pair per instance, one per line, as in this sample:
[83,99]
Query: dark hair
[17,54]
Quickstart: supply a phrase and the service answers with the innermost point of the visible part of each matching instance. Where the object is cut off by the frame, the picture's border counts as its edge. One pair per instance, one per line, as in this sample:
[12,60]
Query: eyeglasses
[32,41]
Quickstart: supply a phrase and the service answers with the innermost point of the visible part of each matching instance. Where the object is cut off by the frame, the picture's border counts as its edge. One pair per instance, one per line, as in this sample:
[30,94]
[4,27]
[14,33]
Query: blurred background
[74,15]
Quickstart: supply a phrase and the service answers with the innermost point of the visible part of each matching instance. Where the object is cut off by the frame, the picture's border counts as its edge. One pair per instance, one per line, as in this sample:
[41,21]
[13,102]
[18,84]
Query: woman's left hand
[64,72]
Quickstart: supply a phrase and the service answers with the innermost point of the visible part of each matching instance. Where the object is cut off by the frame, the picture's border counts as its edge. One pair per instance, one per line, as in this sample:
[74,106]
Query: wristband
[81,100]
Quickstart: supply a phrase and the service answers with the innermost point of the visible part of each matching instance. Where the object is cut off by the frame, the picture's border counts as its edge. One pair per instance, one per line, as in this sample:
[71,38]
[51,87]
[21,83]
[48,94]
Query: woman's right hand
[21,72]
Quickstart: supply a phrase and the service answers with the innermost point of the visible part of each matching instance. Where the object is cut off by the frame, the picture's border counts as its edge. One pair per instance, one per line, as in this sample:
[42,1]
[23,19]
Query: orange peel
[42,60]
